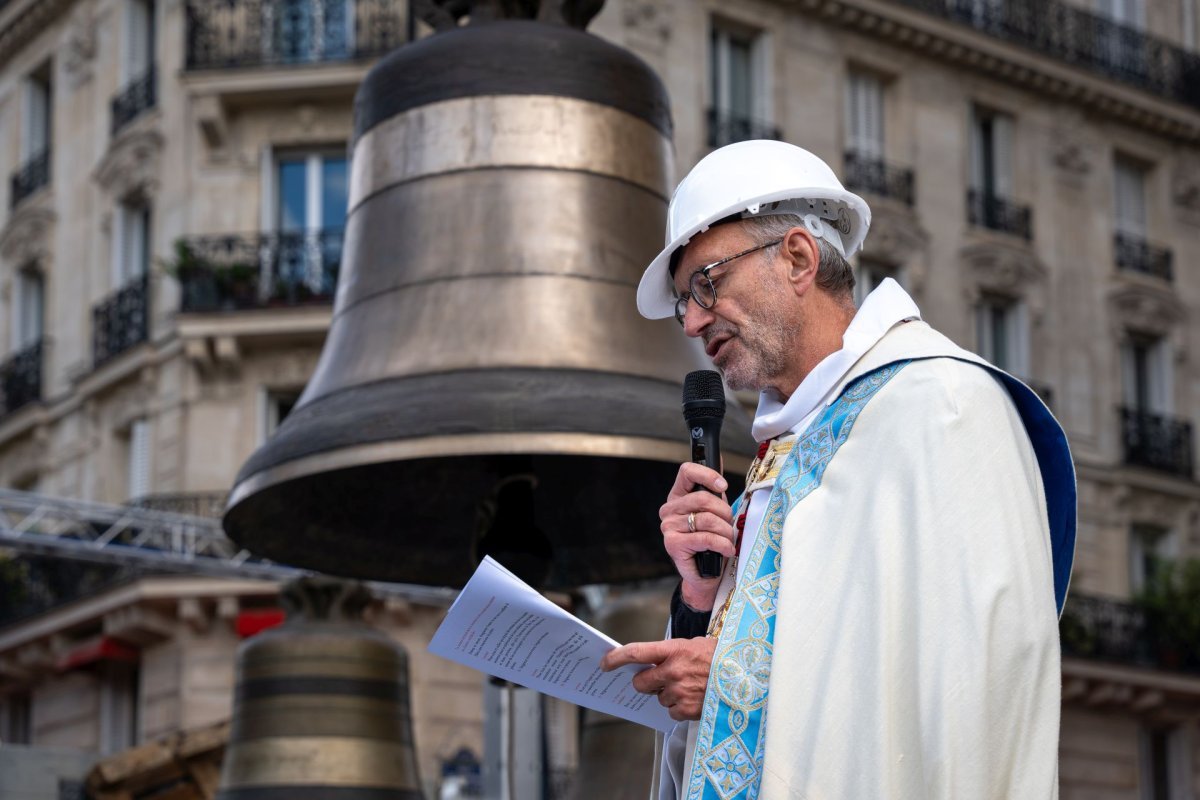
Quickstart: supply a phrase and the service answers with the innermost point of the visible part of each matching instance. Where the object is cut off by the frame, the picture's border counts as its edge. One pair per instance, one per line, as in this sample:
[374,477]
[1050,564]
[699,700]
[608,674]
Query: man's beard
[758,350]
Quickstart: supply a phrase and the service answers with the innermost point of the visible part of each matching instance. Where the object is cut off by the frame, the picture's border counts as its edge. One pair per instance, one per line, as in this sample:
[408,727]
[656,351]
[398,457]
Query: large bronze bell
[322,706]
[487,385]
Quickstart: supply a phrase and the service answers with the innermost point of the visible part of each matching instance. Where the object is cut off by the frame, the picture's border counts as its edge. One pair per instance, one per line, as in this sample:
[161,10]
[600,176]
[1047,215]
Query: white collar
[884,308]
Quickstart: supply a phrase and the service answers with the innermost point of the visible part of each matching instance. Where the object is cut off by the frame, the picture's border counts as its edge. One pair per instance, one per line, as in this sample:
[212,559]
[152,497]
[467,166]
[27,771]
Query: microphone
[703,411]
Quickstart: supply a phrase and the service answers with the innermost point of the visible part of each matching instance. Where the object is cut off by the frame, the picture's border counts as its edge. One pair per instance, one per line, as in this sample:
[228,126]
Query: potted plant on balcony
[1171,604]
[210,287]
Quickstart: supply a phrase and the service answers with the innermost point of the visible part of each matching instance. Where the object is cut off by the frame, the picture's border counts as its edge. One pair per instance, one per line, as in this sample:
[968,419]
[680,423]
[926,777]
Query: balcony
[121,321]
[136,99]
[269,270]
[1108,630]
[1136,255]
[726,128]
[21,379]
[29,178]
[1072,35]
[998,214]
[260,33]
[873,175]
[1157,442]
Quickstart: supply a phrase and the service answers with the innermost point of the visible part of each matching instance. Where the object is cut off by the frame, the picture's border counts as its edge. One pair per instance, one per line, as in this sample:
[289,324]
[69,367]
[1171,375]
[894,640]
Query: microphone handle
[706,451]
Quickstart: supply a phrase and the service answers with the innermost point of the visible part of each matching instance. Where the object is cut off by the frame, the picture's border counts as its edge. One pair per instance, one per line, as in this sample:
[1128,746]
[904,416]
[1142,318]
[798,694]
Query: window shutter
[137,36]
[864,122]
[873,116]
[1130,187]
[1162,379]
[1002,143]
[1018,349]
[978,151]
[741,80]
[1188,22]
[139,459]
[29,308]
[1129,378]
[118,244]
[983,331]
[37,120]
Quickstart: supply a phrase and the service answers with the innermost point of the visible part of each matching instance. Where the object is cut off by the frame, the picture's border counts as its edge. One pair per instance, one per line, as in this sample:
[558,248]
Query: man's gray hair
[834,274]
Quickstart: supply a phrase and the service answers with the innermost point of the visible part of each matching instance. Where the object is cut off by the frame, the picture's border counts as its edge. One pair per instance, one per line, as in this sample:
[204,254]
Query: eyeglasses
[701,286]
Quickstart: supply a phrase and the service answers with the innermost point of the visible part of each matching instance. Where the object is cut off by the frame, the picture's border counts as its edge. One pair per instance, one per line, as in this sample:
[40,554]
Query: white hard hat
[750,179]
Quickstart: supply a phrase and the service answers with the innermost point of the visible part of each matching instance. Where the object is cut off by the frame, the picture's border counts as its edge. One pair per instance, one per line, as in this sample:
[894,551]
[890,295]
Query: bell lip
[556,443]
[521,57]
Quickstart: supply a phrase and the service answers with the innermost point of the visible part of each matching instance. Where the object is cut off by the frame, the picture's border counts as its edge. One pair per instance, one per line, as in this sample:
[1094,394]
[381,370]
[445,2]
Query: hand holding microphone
[697,522]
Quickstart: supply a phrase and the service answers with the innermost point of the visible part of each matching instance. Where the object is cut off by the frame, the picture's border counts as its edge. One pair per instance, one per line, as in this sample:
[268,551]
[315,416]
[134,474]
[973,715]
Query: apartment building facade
[170,239]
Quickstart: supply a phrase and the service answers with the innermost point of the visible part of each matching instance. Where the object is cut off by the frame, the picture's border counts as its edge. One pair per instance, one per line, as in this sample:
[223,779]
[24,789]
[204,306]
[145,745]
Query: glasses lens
[681,308]
[702,290]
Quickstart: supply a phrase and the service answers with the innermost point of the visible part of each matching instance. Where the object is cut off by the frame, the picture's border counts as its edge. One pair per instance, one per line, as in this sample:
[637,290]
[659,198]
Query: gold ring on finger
[691,521]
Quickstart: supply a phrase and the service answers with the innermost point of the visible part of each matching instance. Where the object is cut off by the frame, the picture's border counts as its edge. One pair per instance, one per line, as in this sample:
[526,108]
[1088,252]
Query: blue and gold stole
[728,760]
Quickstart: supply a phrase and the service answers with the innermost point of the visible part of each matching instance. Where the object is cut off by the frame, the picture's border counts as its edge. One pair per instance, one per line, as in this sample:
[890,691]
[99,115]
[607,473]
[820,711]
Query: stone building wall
[203,157]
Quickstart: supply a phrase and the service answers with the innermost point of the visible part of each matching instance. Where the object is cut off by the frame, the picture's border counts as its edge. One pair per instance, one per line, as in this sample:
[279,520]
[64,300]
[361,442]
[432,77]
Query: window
[870,274]
[864,115]
[119,707]
[131,242]
[138,55]
[737,97]
[138,464]
[1131,13]
[312,191]
[1130,198]
[991,153]
[35,138]
[1150,547]
[1002,333]
[15,726]
[311,31]
[311,198]
[1164,769]
[276,406]
[1147,374]
[28,310]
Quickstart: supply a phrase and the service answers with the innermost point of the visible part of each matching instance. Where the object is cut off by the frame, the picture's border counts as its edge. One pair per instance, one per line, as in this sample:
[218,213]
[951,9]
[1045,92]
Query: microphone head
[703,395]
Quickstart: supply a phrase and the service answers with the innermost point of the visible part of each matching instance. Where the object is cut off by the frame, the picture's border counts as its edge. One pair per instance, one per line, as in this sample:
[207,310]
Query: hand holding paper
[503,627]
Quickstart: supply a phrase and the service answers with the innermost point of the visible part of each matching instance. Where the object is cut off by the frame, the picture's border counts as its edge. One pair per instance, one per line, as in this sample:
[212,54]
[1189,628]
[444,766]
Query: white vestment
[915,652]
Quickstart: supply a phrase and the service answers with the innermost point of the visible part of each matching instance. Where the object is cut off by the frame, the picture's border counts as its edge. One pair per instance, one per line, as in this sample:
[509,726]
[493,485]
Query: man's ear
[800,250]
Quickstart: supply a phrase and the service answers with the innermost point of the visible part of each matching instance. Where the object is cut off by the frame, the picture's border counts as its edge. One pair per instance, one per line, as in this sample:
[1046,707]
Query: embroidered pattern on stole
[728,758]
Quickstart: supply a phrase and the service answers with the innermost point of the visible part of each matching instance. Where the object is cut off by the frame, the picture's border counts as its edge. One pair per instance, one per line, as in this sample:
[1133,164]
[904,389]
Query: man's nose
[696,318]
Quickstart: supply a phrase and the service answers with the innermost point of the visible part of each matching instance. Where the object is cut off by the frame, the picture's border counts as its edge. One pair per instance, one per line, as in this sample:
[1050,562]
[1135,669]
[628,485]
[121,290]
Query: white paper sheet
[502,626]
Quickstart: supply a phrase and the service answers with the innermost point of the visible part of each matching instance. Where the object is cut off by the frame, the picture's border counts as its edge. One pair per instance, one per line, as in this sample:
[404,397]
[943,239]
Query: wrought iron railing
[998,214]
[21,379]
[1136,255]
[121,320]
[1089,41]
[1157,441]
[34,584]
[1110,630]
[869,174]
[726,128]
[251,33]
[227,273]
[32,176]
[134,100]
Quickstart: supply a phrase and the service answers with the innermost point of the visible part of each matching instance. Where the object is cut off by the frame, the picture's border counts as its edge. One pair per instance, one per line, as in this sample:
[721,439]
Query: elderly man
[886,622]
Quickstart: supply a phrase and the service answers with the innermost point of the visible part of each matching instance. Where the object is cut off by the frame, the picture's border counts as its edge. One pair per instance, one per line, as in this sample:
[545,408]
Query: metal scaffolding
[126,535]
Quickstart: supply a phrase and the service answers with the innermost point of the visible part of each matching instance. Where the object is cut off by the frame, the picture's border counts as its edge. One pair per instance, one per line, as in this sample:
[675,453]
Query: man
[886,624]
